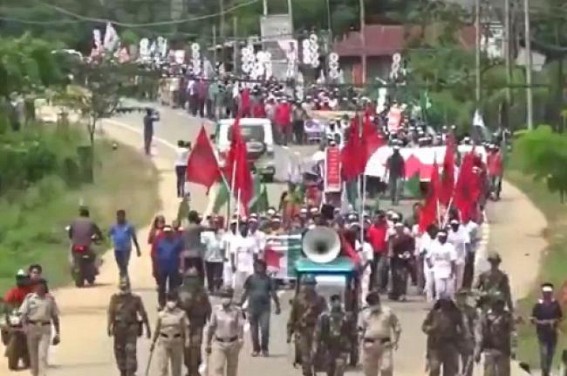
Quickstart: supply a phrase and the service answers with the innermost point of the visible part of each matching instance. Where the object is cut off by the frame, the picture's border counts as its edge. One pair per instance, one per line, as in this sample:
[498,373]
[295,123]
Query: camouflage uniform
[495,337]
[305,311]
[124,311]
[444,329]
[470,319]
[333,339]
[194,300]
[495,281]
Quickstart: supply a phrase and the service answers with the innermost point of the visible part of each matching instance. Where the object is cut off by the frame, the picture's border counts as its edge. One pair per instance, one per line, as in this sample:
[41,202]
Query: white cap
[21,273]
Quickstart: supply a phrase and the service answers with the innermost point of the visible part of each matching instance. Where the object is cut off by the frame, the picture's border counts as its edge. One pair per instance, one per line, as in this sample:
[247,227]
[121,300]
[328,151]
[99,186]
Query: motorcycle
[84,263]
[14,338]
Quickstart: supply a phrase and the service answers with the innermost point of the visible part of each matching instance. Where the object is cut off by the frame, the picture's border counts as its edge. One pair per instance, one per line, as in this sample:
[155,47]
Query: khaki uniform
[38,313]
[495,337]
[173,327]
[302,321]
[124,312]
[227,329]
[381,329]
[444,329]
[197,306]
[334,339]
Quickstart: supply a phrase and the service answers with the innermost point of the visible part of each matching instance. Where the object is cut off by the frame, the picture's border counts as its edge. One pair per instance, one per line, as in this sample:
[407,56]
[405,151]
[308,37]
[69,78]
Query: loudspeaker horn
[322,245]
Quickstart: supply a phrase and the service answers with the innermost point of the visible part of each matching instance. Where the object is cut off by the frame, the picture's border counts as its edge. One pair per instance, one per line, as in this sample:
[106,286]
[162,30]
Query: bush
[28,156]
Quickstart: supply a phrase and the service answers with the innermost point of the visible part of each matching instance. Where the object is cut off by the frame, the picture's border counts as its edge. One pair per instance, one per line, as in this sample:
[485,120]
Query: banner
[280,255]
[333,181]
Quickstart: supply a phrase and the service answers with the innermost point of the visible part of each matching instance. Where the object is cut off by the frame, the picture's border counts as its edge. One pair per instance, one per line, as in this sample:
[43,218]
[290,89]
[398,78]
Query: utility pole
[235,44]
[290,11]
[222,34]
[529,93]
[363,40]
[478,46]
[215,44]
[508,50]
[265,7]
[329,21]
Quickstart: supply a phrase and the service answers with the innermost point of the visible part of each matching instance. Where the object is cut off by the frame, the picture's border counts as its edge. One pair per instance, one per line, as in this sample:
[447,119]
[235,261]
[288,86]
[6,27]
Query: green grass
[32,223]
[553,266]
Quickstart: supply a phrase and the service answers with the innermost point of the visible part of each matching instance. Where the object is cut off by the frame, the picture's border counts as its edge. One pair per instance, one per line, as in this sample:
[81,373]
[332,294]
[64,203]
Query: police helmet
[493,257]
[226,292]
[308,279]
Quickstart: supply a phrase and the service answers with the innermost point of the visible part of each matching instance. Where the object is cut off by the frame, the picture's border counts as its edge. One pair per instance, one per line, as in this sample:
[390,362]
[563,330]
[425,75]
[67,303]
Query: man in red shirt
[495,170]
[282,119]
[378,238]
[16,295]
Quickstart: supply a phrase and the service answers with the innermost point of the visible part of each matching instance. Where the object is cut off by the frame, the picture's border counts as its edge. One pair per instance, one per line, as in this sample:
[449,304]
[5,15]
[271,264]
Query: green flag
[261,204]
[412,186]
[222,196]
[352,193]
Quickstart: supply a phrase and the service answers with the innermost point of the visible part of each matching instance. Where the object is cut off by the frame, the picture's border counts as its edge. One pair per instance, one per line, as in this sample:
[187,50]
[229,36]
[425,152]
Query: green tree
[543,154]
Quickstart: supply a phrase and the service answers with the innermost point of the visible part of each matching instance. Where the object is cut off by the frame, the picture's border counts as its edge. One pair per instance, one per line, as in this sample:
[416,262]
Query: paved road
[87,351]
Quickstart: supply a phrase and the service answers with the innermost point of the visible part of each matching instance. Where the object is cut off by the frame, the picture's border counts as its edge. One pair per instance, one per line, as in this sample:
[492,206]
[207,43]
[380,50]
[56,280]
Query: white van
[259,137]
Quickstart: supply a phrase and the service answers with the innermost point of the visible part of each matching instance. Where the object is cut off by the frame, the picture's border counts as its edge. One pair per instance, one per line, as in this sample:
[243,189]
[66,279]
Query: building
[381,43]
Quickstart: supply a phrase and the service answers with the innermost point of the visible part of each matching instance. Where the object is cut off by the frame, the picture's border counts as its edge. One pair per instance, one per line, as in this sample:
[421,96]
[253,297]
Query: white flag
[478,121]
[110,38]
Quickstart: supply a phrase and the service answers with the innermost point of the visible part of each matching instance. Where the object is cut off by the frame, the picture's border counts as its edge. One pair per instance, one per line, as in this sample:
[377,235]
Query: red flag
[464,199]
[351,157]
[348,251]
[448,178]
[237,166]
[429,212]
[202,165]
[371,141]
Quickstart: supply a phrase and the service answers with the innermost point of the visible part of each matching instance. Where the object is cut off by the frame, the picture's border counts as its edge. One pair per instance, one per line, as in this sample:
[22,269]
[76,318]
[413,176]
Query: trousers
[377,359]
[459,277]
[445,358]
[125,340]
[38,338]
[192,356]
[223,360]
[170,352]
[496,363]
[260,329]
[304,343]
[444,286]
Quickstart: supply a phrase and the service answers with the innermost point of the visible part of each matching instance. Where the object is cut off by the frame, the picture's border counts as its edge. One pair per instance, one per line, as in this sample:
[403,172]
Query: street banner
[333,182]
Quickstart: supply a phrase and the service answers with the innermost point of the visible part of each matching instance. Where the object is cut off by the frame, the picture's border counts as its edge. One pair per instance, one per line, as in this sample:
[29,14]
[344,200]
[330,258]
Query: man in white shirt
[244,251]
[442,260]
[366,253]
[182,154]
[227,243]
[214,256]
[424,246]
[459,237]
[257,235]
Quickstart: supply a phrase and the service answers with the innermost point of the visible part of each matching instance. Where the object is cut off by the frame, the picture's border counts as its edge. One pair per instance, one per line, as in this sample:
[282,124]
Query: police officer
[194,300]
[38,312]
[227,330]
[124,314]
[172,330]
[381,332]
[495,280]
[305,310]
[444,329]
[470,318]
[333,338]
[496,337]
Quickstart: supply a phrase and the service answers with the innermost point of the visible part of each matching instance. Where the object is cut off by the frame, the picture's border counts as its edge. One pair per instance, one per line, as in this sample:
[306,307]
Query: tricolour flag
[280,255]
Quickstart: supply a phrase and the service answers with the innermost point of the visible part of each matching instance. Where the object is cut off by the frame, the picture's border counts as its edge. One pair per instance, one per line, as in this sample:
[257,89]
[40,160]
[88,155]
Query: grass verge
[553,263]
[36,218]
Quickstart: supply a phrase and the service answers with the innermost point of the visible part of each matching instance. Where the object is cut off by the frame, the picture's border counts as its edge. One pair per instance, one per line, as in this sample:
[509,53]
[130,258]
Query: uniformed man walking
[126,314]
[172,330]
[470,318]
[495,280]
[305,310]
[495,337]
[334,338]
[444,329]
[225,336]
[194,300]
[38,312]
[381,332]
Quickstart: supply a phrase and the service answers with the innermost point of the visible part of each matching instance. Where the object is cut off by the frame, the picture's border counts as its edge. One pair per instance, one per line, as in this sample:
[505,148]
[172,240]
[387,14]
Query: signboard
[333,181]
[275,27]
[280,255]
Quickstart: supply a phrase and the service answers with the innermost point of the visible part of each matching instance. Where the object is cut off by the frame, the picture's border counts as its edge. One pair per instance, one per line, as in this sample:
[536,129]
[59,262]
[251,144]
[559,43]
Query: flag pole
[238,210]
[230,196]
[362,205]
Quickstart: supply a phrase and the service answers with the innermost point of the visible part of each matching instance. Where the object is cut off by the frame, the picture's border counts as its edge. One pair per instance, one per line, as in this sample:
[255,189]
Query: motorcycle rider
[82,232]
[16,295]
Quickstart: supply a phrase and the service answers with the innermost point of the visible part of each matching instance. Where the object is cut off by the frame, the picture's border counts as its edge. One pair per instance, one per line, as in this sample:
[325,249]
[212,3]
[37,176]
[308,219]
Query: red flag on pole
[464,199]
[237,166]
[202,165]
[351,156]
[448,178]
[429,212]
[371,141]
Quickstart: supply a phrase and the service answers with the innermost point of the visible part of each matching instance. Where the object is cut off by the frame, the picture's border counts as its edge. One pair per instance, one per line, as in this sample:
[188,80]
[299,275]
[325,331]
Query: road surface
[87,351]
